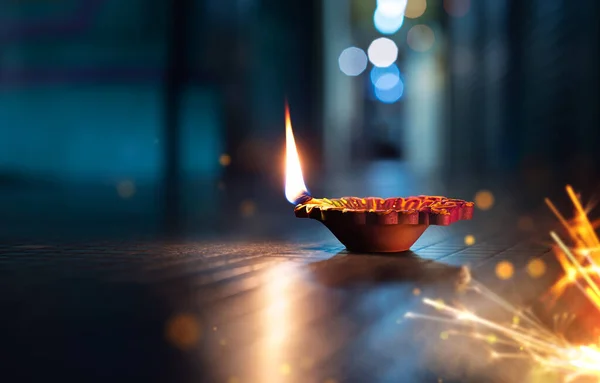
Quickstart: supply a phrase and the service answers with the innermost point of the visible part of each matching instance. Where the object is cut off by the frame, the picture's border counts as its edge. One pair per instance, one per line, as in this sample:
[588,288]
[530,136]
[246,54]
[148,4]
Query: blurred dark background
[153,117]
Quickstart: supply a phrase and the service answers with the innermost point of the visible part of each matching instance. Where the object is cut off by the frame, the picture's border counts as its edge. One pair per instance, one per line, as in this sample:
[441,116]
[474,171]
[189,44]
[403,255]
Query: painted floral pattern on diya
[383,224]
[433,210]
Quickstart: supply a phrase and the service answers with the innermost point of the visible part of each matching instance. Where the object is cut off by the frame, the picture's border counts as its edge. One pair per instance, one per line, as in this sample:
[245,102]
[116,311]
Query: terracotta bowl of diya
[381,225]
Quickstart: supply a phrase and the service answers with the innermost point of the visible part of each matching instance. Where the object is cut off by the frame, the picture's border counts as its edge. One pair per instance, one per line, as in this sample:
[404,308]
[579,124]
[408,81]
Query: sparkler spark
[582,262]
[527,335]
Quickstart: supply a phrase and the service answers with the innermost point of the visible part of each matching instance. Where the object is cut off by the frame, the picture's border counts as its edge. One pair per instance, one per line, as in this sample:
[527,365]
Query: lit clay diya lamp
[383,225]
[370,224]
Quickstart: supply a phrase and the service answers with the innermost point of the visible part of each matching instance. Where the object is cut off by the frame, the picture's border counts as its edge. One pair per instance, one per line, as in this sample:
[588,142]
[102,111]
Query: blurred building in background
[475,86]
[157,108]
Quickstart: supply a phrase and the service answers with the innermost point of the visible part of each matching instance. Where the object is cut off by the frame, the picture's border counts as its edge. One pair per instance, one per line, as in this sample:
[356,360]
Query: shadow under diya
[378,225]
[350,269]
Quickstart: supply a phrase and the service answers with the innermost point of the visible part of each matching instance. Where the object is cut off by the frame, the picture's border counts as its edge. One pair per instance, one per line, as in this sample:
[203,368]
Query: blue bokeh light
[389,96]
[378,72]
[386,24]
[387,83]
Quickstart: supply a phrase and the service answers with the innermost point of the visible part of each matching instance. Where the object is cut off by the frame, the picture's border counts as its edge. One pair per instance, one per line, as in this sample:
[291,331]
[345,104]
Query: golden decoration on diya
[369,224]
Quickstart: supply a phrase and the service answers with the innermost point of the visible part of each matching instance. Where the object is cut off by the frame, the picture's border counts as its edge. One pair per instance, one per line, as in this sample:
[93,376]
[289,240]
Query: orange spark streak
[549,349]
[581,262]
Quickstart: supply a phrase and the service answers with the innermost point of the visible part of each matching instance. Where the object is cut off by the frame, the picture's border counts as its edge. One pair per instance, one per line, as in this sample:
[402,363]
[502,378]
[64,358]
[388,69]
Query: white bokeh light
[386,24]
[352,61]
[383,52]
[391,8]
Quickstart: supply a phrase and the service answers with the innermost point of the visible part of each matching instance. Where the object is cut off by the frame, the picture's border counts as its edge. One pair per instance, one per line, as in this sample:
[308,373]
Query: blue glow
[391,95]
[76,143]
[387,81]
[387,24]
[378,72]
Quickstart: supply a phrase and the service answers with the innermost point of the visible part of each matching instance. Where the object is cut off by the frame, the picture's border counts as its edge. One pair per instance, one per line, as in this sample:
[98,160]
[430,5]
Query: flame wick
[295,189]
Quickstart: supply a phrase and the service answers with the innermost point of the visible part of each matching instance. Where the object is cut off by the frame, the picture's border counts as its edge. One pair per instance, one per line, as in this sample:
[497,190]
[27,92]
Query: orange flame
[294,181]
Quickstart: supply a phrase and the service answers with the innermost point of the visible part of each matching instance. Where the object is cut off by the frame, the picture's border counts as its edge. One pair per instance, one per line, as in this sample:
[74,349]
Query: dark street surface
[264,297]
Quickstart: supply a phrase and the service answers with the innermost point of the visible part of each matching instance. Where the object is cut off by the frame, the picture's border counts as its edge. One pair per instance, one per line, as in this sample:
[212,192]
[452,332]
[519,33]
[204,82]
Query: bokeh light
[484,200]
[183,331]
[378,72]
[420,38]
[536,268]
[389,16]
[457,8]
[353,61]
[469,240]
[225,159]
[505,270]
[391,95]
[382,52]
[415,8]
[385,24]
[391,8]
[126,189]
[491,339]
[285,369]
[387,83]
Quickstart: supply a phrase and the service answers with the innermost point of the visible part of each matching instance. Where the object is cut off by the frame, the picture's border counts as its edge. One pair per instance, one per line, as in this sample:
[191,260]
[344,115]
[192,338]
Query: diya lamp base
[377,225]
[373,225]
[377,238]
